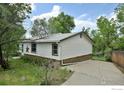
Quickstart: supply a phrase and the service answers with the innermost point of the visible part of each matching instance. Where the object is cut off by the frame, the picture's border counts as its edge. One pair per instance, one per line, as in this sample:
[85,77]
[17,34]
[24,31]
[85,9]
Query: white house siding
[42,49]
[25,45]
[45,50]
[68,48]
[75,46]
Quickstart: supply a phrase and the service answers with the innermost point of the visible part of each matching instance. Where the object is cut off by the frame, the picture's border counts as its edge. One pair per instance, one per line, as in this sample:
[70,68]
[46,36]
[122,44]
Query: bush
[52,74]
[34,60]
[108,58]
[44,63]
[15,54]
[107,54]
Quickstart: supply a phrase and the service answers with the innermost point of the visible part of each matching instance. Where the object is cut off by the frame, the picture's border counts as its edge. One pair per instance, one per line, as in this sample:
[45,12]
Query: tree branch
[15,40]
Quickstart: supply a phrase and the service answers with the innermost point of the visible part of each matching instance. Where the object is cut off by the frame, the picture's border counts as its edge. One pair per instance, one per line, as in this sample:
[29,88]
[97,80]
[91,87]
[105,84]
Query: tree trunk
[3,64]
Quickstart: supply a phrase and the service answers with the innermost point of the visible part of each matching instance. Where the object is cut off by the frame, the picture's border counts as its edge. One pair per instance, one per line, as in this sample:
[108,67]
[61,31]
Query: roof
[56,37]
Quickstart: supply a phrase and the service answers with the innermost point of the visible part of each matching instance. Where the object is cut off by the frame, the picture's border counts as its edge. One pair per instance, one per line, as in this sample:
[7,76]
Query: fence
[118,57]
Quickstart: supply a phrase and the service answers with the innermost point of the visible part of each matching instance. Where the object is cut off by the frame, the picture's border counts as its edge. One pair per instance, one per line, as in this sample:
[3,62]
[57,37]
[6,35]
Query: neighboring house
[67,47]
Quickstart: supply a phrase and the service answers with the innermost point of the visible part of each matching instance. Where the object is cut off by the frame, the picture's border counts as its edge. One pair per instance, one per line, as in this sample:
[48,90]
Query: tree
[89,31]
[120,23]
[120,18]
[86,30]
[40,28]
[10,49]
[120,12]
[11,28]
[95,35]
[108,31]
[61,24]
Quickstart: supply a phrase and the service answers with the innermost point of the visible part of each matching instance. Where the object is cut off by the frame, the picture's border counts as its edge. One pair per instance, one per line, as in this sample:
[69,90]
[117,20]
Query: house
[65,48]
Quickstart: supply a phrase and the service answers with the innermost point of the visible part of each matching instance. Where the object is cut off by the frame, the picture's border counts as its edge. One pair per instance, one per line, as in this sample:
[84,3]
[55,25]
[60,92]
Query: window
[33,47]
[55,49]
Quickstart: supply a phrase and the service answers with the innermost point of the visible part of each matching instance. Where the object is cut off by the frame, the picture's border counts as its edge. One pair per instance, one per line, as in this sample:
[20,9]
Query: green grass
[100,58]
[23,73]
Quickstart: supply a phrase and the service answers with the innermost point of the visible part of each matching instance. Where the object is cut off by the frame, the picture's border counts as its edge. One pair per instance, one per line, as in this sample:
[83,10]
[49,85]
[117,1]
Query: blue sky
[84,14]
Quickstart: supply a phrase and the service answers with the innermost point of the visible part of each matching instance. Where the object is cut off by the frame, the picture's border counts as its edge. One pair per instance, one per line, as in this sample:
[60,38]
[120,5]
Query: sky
[84,14]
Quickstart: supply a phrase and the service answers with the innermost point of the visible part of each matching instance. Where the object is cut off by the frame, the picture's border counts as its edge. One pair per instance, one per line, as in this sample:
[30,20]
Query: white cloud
[56,8]
[53,13]
[112,15]
[33,6]
[83,23]
[100,16]
[109,16]
[82,16]
[80,21]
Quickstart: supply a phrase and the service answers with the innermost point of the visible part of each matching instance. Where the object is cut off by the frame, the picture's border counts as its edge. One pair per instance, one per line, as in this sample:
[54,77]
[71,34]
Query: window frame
[54,50]
[33,49]
[22,47]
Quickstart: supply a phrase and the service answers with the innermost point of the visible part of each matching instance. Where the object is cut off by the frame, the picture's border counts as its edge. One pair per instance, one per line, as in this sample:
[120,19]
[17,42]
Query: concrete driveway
[93,72]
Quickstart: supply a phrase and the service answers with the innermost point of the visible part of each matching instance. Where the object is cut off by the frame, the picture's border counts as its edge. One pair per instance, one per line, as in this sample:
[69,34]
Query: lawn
[23,73]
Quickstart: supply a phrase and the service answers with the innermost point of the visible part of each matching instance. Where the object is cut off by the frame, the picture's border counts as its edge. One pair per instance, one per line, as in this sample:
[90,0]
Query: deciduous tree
[108,31]
[40,28]
[11,28]
[63,23]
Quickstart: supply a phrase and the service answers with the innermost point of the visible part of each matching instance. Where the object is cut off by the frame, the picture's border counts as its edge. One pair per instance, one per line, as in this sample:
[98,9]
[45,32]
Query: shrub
[34,60]
[15,54]
[50,69]
[38,60]
[107,54]
[45,63]
[108,58]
